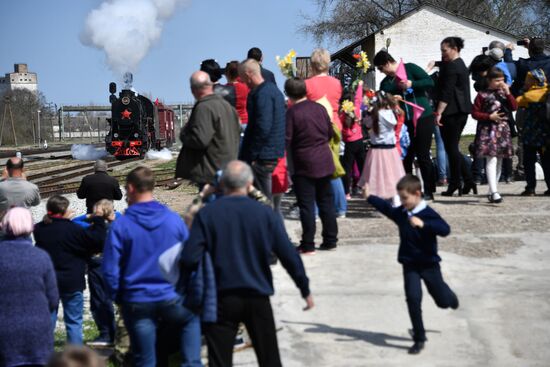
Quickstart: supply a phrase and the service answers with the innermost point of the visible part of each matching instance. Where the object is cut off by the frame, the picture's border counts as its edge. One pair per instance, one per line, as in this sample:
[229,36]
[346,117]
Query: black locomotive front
[132,130]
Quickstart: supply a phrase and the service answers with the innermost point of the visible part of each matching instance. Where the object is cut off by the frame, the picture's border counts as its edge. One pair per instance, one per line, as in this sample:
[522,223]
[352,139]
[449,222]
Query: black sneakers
[327,247]
[416,348]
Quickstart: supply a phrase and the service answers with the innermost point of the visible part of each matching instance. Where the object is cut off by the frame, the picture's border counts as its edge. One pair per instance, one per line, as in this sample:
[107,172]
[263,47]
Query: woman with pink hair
[28,294]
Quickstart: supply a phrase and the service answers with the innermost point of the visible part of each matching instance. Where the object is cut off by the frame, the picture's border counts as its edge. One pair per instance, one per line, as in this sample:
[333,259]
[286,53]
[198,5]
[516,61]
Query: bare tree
[24,106]
[345,20]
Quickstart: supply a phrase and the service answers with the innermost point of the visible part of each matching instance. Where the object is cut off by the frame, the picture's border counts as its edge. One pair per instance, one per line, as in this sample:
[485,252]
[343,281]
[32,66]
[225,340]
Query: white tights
[493,169]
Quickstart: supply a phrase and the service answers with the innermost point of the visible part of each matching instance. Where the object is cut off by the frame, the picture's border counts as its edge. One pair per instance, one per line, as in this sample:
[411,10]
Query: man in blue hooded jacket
[130,267]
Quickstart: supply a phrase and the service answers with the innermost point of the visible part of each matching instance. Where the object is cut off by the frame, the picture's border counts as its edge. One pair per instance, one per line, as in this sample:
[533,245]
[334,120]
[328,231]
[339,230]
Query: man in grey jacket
[15,190]
[211,137]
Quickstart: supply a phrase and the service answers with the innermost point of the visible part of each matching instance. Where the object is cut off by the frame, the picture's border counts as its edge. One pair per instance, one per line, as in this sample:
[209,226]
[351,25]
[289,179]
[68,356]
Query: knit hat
[537,77]
[495,53]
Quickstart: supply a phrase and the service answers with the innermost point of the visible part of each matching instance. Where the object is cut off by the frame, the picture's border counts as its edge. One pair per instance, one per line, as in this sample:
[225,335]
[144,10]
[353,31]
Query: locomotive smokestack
[128,79]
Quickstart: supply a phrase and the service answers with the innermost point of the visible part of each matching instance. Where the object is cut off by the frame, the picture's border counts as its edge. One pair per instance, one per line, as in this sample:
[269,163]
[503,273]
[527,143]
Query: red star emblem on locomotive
[126,114]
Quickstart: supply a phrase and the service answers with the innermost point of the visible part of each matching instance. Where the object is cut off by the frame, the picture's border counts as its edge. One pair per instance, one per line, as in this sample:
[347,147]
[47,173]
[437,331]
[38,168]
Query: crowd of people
[160,280]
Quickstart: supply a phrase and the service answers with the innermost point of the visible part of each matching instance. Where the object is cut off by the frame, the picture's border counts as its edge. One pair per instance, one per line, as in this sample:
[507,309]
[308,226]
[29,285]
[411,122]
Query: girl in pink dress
[383,167]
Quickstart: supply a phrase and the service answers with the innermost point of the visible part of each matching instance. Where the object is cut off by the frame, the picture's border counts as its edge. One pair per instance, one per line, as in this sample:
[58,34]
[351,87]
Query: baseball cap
[495,53]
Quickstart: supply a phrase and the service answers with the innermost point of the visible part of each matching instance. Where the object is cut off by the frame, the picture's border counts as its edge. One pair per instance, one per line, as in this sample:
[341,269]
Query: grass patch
[89,330]
[465,141]
[170,165]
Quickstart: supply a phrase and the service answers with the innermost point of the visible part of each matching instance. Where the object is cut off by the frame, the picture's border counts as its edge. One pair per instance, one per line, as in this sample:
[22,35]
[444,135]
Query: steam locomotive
[137,124]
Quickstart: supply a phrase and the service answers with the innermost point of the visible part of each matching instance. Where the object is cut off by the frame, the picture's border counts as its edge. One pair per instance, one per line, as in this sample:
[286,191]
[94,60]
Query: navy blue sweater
[70,246]
[28,295]
[418,246]
[264,137]
[240,234]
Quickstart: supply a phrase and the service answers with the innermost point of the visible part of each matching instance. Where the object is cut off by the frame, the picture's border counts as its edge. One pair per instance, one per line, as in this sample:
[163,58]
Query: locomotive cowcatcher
[137,124]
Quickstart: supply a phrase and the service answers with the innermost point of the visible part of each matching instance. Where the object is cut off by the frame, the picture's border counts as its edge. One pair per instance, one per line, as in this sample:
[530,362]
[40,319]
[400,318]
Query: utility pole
[98,131]
[7,107]
[38,127]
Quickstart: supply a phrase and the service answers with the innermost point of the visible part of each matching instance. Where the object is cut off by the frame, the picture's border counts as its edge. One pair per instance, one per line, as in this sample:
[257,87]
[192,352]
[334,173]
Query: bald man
[264,137]
[15,190]
[210,139]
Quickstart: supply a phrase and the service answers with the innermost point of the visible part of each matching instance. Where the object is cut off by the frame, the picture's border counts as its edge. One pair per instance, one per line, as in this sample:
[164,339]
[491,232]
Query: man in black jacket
[240,249]
[256,54]
[97,186]
[264,138]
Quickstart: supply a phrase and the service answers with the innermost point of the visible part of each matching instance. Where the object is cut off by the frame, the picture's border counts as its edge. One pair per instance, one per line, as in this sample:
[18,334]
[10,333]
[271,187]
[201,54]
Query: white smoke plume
[126,29]
[163,155]
[85,152]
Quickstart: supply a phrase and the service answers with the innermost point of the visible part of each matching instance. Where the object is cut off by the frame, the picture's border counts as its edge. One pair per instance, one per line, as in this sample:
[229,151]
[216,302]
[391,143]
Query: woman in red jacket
[241,90]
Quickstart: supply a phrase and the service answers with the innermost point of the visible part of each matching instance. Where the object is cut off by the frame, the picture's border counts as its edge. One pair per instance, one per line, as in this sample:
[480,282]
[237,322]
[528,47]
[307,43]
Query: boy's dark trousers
[257,315]
[443,296]
[100,302]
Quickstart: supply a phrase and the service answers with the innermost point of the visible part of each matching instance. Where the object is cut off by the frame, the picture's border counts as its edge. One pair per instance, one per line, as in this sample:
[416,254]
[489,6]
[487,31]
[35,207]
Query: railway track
[49,187]
[35,151]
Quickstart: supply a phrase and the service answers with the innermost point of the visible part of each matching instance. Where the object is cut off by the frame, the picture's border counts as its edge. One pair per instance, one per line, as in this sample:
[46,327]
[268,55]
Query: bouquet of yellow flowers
[363,63]
[286,64]
[348,108]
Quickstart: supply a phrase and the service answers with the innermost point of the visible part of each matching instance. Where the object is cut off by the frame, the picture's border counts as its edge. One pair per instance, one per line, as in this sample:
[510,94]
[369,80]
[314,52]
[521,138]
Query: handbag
[334,145]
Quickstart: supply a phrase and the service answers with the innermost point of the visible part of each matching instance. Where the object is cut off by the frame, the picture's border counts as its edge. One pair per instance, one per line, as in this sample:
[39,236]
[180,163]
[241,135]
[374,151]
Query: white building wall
[417,39]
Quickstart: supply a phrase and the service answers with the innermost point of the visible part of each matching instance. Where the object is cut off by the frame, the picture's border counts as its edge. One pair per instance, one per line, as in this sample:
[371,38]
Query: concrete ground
[497,260]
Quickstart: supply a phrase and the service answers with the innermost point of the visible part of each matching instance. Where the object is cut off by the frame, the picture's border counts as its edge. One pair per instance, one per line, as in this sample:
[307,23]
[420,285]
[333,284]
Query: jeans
[529,160]
[308,192]
[355,151]
[443,296]
[73,308]
[257,315]
[101,305]
[451,132]
[421,143]
[340,202]
[141,320]
[263,170]
[277,203]
[441,155]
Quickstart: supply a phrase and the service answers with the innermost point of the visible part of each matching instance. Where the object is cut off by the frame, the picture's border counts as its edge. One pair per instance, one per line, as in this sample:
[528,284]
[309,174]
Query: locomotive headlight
[136,135]
[115,135]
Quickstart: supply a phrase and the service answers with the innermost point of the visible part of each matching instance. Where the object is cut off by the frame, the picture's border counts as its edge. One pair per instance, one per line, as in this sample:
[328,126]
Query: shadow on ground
[372,337]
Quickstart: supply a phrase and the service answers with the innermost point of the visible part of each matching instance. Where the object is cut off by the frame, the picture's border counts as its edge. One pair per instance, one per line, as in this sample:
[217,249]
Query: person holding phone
[537,60]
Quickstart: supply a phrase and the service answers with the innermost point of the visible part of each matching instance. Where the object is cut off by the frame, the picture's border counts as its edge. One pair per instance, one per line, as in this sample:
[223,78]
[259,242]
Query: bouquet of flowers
[348,108]
[286,64]
[363,63]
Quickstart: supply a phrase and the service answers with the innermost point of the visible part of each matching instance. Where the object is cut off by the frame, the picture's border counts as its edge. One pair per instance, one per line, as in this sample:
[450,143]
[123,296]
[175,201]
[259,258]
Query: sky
[45,35]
